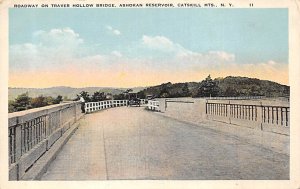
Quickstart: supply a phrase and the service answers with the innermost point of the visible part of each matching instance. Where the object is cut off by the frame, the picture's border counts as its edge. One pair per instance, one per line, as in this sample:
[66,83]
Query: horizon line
[118,87]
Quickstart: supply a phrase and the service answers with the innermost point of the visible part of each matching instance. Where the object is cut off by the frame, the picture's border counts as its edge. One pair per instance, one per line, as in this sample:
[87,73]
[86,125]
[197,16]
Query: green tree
[128,90]
[98,96]
[49,100]
[231,92]
[22,102]
[11,106]
[141,94]
[39,101]
[208,88]
[85,96]
[120,96]
[164,90]
[126,93]
[58,99]
[185,92]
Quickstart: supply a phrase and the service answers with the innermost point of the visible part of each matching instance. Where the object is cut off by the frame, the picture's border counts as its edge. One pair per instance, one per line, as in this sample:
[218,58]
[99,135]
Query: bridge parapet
[96,106]
[153,105]
[237,98]
[101,105]
[266,114]
[32,132]
[263,116]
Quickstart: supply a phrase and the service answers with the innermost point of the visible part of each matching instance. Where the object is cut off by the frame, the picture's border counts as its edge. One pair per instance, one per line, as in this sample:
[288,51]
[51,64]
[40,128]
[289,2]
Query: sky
[143,47]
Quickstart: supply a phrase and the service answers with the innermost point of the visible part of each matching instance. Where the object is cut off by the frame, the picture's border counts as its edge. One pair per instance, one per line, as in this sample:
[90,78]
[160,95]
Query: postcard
[149,94]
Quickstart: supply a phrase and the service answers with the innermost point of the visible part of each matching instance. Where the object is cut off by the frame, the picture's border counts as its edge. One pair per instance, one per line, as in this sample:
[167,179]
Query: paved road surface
[132,143]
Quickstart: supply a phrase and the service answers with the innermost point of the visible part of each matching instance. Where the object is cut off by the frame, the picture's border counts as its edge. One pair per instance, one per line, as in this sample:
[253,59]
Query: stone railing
[236,98]
[32,132]
[101,105]
[96,106]
[153,105]
[274,118]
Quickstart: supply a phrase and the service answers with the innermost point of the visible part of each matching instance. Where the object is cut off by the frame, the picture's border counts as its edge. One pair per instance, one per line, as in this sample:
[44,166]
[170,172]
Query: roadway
[132,143]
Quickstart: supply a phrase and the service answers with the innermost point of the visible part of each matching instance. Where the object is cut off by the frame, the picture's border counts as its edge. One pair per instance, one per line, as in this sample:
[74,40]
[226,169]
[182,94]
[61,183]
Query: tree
[85,96]
[49,100]
[98,96]
[164,91]
[128,90]
[231,92]
[208,88]
[120,96]
[38,102]
[185,92]
[58,99]
[127,93]
[11,106]
[22,102]
[141,94]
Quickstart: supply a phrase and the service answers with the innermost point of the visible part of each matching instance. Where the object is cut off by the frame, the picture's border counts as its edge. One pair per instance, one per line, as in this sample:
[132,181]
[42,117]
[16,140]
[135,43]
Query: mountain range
[228,86]
[66,92]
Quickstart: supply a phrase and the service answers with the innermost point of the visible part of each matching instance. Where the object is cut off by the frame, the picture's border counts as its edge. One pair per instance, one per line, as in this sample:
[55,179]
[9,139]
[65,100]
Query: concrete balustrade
[32,132]
[257,115]
[153,105]
[96,106]
[274,118]
[267,114]
[237,98]
[101,105]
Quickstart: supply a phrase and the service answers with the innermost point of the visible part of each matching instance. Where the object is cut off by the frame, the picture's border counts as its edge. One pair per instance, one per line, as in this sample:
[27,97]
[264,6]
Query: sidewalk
[272,141]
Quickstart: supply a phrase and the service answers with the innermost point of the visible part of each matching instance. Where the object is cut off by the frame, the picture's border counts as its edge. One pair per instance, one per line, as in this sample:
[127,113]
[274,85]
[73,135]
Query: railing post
[75,115]
[260,112]
[166,104]
[18,142]
[60,117]
[287,114]
[47,123]
[228,112]
[206,108]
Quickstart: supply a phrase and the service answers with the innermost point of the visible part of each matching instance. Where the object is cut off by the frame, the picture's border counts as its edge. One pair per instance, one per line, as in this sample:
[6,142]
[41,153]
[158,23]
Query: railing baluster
[269,114]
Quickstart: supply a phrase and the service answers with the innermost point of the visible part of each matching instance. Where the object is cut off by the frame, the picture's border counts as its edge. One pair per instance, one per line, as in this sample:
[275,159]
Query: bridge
[163,139]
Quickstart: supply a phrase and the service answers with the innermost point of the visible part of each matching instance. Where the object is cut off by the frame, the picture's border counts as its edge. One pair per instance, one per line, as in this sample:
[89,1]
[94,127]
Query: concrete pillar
[18,142]
[47,123]
[162,104]
[260,116]
[228,112]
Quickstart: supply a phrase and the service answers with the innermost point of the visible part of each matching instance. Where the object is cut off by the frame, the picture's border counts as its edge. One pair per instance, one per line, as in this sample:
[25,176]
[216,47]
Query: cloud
[171,53]
[58,37]
[113,31]
[56,57]
[161,43]
[48,48]
[223,55]
[116,53]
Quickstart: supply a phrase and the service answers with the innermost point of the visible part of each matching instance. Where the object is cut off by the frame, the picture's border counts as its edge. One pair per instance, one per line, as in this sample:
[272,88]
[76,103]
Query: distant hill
[228,86]
[68,92]
[243,86]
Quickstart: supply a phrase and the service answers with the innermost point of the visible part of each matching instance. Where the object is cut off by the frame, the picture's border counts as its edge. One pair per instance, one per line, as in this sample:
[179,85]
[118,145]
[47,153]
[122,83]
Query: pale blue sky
[193,42]
[251,34]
